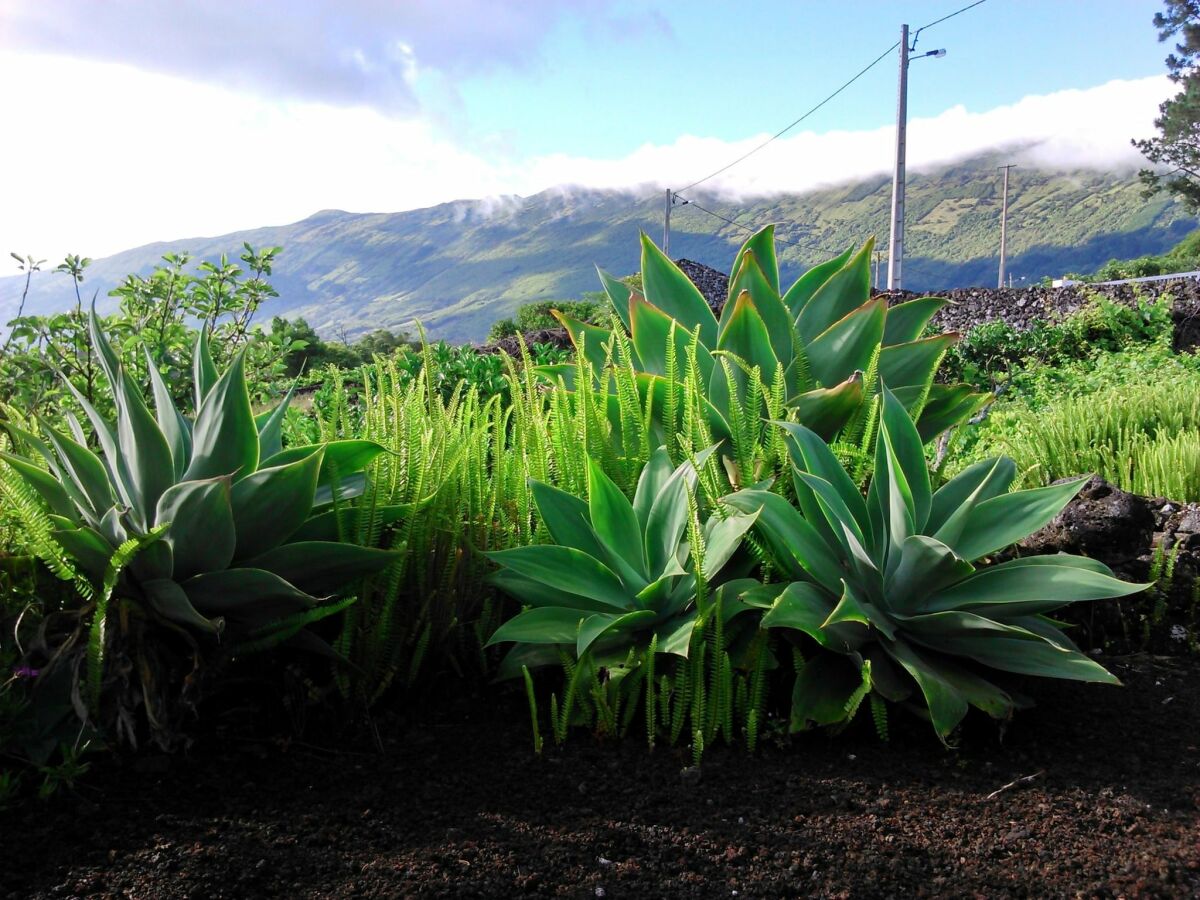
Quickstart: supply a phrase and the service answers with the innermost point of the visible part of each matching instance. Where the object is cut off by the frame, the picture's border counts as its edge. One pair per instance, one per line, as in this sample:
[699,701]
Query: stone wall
[1019,307]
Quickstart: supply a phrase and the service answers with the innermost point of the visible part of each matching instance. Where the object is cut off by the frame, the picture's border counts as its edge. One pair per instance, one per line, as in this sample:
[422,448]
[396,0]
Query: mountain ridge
[461,265]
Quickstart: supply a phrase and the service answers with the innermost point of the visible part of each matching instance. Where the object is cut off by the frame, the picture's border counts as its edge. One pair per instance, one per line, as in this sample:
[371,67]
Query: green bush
[886,590]
[199,529]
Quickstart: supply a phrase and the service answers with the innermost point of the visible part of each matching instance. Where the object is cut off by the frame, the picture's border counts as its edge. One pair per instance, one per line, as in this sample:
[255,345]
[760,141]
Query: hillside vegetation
[461,266]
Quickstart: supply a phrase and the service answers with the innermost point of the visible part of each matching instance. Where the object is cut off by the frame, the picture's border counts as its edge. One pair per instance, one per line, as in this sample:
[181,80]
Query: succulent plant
[618,573]
[887,583]
[825,338]
[223,515]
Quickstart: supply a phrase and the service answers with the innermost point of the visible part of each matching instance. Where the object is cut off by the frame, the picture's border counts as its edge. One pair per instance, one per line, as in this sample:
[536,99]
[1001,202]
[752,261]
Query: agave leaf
[985,479]
[822,690]
[848,344]
[811,454]
[665,285]
[105,354]
[170,601]
[201,535]
[722,538]
[1004,647]
[270,429]
[536,593]
[948,689]
[144,448]
[914,363]
[760,246]
[224,439]
[45,484]
[236,592]
[572,570]
[541,625]
[204,371]
[118,470]
[652,330]
[172,424]
[341,458]
[592,340]
[745,335]
[566,518]
[322,568]
[597,625]
[947,405]
[87,474]
[345,488]
[846,290]
[668,519]
[88,548]
[795,545]
[810,282]
[653,478]
[901,439]
[1031,586]
[614,521]
[826,411]
[750,278]
[113,530]
[925,567]
[806,608]
[270,505]
[619,295]
[995,524]
[675,636]
[906,321]
[558,374]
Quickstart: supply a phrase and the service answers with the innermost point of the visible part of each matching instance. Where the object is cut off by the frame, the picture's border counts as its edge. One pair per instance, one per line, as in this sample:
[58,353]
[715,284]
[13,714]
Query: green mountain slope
[460,266]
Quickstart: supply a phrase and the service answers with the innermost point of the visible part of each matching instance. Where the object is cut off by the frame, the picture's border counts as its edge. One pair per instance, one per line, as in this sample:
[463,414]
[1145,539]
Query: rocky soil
[1095,792]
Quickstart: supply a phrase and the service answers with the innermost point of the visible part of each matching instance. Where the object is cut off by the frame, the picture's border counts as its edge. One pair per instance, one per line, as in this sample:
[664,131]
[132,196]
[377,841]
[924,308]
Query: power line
[957,12]
[784,131]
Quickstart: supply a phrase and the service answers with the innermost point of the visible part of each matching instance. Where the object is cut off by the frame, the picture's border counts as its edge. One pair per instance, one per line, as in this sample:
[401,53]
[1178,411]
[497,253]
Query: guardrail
[1068,282]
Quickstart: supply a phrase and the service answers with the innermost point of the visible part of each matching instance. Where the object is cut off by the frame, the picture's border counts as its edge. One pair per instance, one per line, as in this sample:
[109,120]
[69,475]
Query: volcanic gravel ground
[462,808]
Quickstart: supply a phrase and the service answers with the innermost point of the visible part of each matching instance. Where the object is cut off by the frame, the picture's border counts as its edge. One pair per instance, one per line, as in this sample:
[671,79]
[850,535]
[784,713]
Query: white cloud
[99,157]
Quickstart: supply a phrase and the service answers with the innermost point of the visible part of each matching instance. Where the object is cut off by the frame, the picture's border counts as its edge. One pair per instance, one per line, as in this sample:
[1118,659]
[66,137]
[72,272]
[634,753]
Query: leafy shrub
[44,357]
[539,316]
[619,575]
[885,585]
[193,529]
[820,349]
[995,351]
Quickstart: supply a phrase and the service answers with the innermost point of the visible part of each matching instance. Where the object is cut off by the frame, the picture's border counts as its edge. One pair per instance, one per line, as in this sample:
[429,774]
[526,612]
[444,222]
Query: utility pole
[896,254]
[896,245]
[1004,224]
[667,226]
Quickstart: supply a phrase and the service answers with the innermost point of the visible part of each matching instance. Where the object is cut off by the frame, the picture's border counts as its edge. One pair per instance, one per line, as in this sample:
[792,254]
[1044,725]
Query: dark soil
[462,808]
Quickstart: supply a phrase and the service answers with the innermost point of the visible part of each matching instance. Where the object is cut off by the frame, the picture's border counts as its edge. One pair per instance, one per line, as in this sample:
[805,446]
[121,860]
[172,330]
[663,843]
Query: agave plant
[824,343]
[220,516]
[889,582]
[619,574]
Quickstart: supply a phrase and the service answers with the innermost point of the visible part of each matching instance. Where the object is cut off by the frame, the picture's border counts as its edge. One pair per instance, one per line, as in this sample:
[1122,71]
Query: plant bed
[461,807]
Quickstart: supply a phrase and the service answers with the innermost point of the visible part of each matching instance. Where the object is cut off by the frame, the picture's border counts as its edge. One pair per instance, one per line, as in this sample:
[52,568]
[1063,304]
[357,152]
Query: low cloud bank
[143,157]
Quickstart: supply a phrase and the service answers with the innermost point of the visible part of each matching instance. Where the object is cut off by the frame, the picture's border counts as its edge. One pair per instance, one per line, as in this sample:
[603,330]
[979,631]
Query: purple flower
[26,672]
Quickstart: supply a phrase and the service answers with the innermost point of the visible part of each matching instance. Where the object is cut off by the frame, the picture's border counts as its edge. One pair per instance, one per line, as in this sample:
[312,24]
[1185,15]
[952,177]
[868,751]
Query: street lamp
[896,248]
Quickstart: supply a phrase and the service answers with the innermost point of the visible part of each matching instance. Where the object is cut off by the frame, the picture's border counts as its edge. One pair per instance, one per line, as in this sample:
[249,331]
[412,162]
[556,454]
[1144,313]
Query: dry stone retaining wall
[1019,307]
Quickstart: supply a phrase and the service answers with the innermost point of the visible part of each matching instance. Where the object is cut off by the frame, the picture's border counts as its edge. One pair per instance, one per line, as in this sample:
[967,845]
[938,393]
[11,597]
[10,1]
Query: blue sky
[729,70]
[143,120]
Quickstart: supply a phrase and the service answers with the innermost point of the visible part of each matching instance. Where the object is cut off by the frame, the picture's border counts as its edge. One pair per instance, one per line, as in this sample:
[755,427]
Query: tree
[1177,146]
